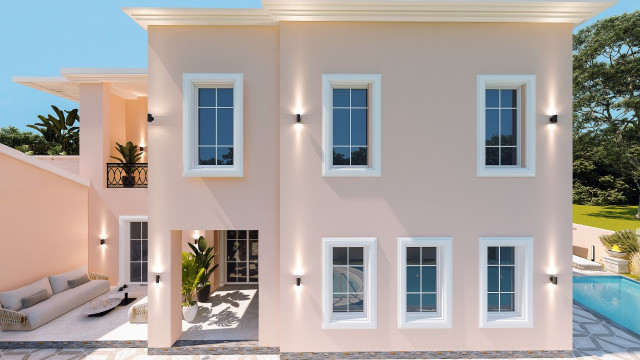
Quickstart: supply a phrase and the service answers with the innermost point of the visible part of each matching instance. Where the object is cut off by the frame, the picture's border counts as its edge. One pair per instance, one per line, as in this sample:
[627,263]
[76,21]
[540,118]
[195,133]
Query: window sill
[505,172]
[424,321]
[351,172]
[350,322]
[506,321]
[230,171]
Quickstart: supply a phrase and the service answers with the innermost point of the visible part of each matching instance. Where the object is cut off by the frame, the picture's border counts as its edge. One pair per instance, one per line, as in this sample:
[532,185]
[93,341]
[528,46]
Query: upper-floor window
[349,283]
[351,125]
[424,280]
[506,282]
[212,127]
[506,125]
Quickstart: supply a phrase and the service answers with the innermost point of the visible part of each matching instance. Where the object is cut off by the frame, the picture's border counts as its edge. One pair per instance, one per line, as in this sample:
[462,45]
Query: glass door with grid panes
[138,245]
[241,249]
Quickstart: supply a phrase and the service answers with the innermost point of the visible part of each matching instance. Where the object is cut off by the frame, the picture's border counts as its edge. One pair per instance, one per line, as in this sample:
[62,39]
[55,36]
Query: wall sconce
[195,241]
[150,118]
[553,279]
[298,281]
[103,241]
[141,148]
[298,118]
[157,278]
[553,119]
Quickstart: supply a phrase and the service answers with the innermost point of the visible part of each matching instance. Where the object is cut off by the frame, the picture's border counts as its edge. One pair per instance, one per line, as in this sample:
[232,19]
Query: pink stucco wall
[585,236]
[104,121]
[178,203]
[69,163]
[428,186]
[44,224]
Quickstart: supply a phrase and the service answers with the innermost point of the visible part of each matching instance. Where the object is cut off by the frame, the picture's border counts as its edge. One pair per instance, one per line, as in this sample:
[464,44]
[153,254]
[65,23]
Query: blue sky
[38,37]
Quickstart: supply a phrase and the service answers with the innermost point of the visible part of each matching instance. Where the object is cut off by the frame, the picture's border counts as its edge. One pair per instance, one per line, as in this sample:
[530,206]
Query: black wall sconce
[141,148]
[298,118]
[157,278]
[553,119]
[103,241]
[298,281]
[553,279]
[150,118]
[195,241]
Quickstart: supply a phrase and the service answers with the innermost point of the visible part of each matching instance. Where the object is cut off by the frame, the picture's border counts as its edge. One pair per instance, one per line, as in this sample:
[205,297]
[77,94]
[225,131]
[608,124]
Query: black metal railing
[127,175]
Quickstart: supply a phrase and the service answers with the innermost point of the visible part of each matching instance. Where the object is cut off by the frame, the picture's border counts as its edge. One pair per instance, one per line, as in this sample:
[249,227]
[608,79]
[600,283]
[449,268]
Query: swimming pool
[615,297]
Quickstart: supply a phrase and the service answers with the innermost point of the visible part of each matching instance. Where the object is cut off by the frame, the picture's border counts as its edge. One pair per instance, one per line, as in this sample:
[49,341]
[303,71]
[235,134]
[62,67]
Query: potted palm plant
[621,244]
[204,258]
[130,155]
[191,275]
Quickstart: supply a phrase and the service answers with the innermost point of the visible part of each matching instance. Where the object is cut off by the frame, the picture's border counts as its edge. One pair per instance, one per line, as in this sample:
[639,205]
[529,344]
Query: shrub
[626,240]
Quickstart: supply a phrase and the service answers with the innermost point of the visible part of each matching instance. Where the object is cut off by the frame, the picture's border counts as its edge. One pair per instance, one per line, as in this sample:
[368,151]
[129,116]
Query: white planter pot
[189,313]
[616,254]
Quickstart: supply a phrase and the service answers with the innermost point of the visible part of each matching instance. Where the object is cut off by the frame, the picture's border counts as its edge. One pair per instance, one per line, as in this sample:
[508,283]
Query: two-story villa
[394,175]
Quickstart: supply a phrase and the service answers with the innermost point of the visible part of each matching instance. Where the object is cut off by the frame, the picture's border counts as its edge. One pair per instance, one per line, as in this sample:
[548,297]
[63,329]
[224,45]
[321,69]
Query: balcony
[127,175]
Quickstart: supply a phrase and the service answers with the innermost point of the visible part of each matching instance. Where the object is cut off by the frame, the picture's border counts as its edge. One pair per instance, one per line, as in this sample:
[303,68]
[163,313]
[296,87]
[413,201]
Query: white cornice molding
[43,165]
[275,11]
[58,86]
[123,93]
[96,76]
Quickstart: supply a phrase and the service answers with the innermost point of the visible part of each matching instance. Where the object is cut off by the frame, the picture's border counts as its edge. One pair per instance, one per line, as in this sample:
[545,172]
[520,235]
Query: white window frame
[191,82]
[522,317]
[508,82]
[373,83]
[125,248]
[368,319]
[444,275]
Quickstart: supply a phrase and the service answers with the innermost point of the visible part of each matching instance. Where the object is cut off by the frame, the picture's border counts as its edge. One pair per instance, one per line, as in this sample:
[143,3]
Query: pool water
[615,297]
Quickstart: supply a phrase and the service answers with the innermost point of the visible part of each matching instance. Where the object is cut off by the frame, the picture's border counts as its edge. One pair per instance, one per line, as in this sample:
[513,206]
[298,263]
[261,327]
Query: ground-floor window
[349,283]
[425,276]
[134,250]
[506,282]
[241,256]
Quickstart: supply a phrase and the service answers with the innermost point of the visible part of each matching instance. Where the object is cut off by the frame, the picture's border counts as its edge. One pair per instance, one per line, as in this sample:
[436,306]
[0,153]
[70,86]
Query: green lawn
[606,217]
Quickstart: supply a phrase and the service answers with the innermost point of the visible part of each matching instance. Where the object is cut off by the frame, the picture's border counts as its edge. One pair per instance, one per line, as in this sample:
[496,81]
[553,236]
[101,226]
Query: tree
[25,140]
[606,90]
[62,130]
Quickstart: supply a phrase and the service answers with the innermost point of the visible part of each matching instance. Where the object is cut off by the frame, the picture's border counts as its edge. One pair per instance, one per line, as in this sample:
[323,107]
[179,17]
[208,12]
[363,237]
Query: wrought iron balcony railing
[127,175]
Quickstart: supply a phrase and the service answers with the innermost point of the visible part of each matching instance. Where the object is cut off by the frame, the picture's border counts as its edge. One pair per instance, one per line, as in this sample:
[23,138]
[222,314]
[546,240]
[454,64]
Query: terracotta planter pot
[189,313]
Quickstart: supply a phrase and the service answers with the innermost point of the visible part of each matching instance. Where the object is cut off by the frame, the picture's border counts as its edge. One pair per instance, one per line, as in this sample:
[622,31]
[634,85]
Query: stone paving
[593,338]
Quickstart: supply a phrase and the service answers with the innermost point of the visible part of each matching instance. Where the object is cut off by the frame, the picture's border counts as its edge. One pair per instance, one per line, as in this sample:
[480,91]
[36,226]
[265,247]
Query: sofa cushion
[61,303]
[60,282]
[12,300]
[38,297]
[73,283]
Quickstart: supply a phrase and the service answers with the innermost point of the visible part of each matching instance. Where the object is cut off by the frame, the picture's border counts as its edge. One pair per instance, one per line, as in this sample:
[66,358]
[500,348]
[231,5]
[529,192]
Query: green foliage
[626,240]
[606,86]
[60,129]
[191,275]
[204,258]
[606,107]
[56,150]
[35,144]
[130,154]
[599,177]
[25,149]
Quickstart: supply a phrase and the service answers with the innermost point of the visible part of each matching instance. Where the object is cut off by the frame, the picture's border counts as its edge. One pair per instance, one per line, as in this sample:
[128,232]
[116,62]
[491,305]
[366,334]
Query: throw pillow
[79,281]
[38,297]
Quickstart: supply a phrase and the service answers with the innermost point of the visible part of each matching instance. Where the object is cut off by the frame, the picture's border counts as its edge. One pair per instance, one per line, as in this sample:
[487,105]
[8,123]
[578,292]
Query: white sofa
[60,299]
